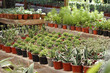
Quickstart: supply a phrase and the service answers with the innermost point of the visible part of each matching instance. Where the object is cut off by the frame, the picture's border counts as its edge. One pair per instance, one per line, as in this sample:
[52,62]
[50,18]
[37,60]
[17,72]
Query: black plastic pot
[99,32]
[109,33]
[35,58]
[19,52]
[105,32]
[43,60]
[24,53]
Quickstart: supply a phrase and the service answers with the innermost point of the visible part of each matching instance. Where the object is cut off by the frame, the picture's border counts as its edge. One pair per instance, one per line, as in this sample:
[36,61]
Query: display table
[22,22]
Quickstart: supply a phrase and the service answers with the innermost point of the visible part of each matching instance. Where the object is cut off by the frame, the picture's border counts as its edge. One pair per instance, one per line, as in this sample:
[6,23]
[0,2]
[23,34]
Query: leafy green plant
[8,44]
[27,39]
[44,52]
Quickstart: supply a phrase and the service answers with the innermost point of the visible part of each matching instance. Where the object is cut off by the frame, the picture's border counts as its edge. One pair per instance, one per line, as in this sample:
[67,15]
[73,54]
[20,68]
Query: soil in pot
[72,27]
[43,60]
[13,50]
[64,26]
[19,16]
[57,65]
[85,68]
[56,25]
[24,53]
[105,32]
[7,49]
[19,52]
[30,55]
[76,69]
[50,62]
[67,67]
[35,58]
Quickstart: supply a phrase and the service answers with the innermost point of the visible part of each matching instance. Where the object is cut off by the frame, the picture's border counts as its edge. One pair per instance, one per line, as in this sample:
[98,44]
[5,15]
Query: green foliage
[8,44]
[44,52]
[27,39]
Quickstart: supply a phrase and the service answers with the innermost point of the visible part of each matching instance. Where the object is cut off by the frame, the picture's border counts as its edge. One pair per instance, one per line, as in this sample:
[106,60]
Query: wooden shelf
[22,22]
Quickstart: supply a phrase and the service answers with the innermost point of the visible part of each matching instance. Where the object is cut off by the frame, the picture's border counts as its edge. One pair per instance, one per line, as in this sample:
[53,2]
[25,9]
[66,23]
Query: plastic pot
[85,68]
[105,32]
[19,16]
[64,27]
[15,16]
[35,58]
[83,29]
[90,31]
[79,29]
[42,16]
[59,26]
[95,32]
[76,69]
[30,55]
[3,47]
[24,53]
[72,27]
[86,30]
[43,60]
[34,16]
[57,65]
[37,16]
[109,33]
[56,25]
[67,67]
[13,50]
[30,16]
[99,32]
[19,52]
[51,25]
[50,62]
[7,49]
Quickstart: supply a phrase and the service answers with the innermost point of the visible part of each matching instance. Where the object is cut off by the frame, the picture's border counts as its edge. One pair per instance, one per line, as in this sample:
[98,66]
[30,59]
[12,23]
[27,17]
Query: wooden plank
[22,22]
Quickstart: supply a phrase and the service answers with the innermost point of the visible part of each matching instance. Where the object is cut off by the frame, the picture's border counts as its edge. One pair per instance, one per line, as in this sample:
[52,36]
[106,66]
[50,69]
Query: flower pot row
[81,29]
[22,16]
[44,60]
[69,67]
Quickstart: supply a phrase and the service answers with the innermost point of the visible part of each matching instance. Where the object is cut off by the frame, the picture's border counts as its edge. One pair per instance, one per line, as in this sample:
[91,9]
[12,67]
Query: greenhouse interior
[54,36]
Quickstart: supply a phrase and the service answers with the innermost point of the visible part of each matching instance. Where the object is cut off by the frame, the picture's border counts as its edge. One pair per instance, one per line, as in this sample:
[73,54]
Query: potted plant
[43,15]
[7,47]
[57,60]
[76,61]
[20,15]
[30,51]
[13,48]
[35,56]
[66,58]
[24,51]
[95,29]
[25,15]
[51,54]
[18,49]
[78,27]
[90,28]
[59,34]
[99,27]
[105,28]
[42,56]
[57,21]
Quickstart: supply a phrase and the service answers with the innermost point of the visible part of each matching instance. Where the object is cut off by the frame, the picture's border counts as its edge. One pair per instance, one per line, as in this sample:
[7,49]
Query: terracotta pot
[95,32]
[64,26]
[25,16]
[42,16]
[57,65]
[83,29]
[72,27]
[19,16]
[13,50]
[34,16]
[67,67]
[85,68]
[56,25]
[30,55]
[15,16]
[79,29]
[3,47]
[76,69]
[86,30]
[38,16]
[51,25]
[8,49]
[0,15]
